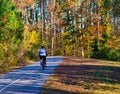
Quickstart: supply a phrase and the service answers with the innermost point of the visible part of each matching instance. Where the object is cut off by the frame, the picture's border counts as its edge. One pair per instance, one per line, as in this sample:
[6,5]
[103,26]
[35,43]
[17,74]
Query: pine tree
[10,32]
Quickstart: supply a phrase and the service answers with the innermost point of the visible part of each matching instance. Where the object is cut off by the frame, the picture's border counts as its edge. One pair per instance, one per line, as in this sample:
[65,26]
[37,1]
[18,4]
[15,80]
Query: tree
[10,33]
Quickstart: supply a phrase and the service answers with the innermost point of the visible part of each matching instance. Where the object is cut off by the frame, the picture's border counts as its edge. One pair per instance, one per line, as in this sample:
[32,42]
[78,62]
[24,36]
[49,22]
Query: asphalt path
[28,79]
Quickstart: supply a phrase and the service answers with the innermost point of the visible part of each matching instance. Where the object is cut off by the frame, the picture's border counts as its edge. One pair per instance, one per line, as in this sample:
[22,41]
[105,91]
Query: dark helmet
[42,47]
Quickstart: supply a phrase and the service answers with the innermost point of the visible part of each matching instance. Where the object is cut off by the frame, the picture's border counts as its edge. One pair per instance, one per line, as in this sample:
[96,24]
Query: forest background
[79,28]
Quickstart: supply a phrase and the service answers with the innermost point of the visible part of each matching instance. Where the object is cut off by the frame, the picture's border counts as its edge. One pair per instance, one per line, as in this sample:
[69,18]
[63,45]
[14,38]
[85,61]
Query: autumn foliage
[79,28]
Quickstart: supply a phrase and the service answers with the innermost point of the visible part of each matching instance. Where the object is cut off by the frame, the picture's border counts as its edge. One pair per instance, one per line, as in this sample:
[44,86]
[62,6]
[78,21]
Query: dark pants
[44,58]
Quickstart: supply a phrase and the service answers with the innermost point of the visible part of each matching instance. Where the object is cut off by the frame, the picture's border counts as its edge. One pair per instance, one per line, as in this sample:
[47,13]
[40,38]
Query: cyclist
[42,54]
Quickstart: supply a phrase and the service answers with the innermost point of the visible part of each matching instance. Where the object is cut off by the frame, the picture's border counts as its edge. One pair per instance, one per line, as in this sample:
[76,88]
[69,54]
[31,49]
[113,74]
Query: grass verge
[84,76]
[6,69]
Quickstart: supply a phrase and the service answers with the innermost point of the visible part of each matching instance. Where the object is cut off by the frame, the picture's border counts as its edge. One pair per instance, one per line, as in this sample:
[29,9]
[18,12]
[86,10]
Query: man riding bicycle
[42,54]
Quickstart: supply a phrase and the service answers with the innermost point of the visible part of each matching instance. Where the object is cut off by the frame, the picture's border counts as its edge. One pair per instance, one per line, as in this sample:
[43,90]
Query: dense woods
[79,28]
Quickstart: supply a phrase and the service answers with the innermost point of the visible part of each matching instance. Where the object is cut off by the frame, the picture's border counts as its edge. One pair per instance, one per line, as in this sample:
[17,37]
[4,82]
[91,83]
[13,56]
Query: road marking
[53,63]
[16,80]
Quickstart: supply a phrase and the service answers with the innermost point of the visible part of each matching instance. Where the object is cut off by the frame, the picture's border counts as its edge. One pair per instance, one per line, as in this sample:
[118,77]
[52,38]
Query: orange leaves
[24,2]
[93,29]
[97,17]
[21,4]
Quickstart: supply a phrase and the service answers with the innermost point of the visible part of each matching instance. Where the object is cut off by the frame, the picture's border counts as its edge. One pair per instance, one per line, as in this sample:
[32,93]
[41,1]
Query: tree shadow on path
[86,75]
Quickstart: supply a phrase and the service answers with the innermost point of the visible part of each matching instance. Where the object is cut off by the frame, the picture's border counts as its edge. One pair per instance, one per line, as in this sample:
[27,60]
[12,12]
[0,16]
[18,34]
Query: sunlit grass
[6,69]
[84,76]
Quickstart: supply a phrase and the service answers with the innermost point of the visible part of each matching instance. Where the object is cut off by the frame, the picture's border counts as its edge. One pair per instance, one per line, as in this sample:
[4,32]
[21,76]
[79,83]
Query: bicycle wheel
[43,64]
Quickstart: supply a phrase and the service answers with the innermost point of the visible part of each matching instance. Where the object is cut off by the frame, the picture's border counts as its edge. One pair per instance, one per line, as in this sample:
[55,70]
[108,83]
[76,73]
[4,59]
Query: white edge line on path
[16,80]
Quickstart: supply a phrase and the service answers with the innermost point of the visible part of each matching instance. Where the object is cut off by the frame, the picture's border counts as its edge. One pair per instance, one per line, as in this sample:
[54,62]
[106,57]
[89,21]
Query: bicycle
[42,63]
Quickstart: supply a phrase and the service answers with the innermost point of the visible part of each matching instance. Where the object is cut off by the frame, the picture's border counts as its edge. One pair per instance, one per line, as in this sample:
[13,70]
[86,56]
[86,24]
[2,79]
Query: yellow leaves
[65,33]
[108,28]
[73,3]
[4,47]
[30,38]
[94,29]
[33,37]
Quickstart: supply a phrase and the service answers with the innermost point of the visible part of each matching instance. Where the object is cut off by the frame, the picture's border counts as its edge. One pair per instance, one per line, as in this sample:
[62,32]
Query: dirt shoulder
[84,76]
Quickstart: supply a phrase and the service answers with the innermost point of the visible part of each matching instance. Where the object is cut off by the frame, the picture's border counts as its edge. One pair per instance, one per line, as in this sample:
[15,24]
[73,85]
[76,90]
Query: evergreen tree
[10,33]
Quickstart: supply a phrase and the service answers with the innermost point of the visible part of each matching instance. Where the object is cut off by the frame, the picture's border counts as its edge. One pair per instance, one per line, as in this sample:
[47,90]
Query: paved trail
[29,79]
